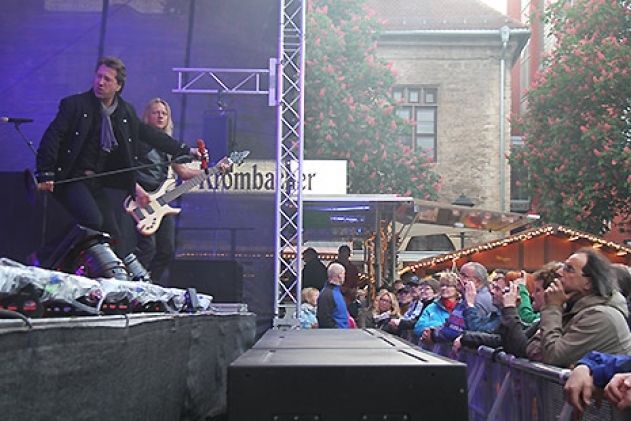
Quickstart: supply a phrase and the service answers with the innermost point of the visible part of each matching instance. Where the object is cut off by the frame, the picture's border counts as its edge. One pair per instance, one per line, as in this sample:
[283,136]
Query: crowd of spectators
[572,314]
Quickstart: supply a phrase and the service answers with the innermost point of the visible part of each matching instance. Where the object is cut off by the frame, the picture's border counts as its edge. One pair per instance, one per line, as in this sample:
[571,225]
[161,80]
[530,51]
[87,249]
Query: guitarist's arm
[185,172]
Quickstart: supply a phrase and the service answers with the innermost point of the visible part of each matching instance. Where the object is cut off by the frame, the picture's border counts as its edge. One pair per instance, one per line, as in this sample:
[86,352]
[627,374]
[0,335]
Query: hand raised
[555,294]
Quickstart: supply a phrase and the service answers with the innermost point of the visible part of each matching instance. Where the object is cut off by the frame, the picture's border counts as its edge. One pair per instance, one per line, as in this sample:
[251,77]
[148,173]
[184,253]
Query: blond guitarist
[156,251]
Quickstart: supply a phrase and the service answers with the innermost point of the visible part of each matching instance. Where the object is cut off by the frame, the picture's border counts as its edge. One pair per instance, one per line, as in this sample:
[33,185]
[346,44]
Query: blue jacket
[332,312]
[307,316]
[488,323]
[605,366]
[434,315]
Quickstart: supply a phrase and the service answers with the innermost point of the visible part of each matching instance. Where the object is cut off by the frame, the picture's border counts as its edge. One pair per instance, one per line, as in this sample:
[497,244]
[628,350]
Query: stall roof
[464,218]
[572,239]
[345,217]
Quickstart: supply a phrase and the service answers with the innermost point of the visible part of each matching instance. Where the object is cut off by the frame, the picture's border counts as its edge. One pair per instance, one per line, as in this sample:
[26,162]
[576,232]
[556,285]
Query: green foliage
[348,111]
[577,144]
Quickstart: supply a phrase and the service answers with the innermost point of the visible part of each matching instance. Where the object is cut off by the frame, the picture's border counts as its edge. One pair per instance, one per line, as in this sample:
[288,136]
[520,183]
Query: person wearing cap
[405,325]
[404,295]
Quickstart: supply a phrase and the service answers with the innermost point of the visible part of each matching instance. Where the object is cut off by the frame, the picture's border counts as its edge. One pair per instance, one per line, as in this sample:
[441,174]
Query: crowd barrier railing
[503,387]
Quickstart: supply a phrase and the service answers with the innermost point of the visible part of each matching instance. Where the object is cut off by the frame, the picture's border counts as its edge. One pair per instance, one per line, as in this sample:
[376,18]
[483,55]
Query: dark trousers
[100,208]
[156,251]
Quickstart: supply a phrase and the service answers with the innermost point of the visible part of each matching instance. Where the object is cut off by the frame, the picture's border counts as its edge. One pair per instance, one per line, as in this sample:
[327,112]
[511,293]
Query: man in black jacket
[314,272]
[95,132]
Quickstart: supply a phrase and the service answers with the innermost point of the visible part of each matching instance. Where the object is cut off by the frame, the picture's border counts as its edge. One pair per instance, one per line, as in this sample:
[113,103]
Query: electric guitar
[148,218]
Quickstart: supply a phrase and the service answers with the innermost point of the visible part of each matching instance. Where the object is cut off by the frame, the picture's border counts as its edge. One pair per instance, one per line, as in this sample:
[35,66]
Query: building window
[519,197]
[418,105]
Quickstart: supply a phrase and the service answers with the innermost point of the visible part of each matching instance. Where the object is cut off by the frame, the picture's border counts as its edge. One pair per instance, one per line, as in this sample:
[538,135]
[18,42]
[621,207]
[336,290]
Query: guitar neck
[187,185]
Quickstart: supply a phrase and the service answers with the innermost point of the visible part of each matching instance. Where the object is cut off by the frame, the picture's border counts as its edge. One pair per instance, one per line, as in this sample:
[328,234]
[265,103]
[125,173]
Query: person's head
[429,288]
[344,253]
[158,114]
[309,254]
[386,301]
[397,285]
[109,78]
[587,272]
[474,271]
[361,295]
[543,278]
[310,295]
[623,276]
[499,284]
[336,273]
[448,282]
[415,286]
[404,295]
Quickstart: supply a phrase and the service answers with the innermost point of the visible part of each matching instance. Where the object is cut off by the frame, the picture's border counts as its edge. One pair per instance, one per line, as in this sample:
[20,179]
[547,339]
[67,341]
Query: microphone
[18,120]
[201,147]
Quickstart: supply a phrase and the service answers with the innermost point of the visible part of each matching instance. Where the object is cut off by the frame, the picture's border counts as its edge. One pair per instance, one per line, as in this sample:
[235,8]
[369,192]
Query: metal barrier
[503,387]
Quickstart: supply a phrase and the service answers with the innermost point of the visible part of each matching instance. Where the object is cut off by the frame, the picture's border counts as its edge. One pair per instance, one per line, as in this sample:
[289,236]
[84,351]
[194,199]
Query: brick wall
[467,74]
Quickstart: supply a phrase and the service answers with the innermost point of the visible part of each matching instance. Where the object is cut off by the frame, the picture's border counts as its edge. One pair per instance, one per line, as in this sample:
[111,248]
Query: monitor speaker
[223,279]
[323,375]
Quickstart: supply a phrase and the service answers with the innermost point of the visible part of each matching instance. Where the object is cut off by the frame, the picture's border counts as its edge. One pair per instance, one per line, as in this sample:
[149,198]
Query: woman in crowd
[436,313]
[385,308]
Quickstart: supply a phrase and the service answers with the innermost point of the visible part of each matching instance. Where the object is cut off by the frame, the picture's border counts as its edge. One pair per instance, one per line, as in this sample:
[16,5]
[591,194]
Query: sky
[496,4]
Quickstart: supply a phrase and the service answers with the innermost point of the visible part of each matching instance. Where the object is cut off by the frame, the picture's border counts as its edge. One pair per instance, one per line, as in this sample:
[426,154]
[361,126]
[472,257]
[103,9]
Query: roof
[342,217]
[571,234]
[440,15]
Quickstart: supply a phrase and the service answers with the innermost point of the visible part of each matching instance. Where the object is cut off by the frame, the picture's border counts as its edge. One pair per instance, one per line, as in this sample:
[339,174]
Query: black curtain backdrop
[156,368]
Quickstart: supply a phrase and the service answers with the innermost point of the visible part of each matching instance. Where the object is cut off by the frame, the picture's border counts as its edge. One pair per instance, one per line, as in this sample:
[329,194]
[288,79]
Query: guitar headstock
[238,157]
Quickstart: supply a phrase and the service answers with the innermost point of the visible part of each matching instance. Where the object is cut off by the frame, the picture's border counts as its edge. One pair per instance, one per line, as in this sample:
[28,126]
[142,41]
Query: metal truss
[195,80]
[289,164]
[283,83]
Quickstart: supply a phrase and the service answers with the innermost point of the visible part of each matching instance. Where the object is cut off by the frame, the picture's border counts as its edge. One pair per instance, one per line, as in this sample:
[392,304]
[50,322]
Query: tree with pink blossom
[349,113]
[577,131]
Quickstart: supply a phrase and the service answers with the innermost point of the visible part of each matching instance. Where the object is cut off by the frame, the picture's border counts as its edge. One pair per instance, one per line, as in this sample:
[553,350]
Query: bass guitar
[148,218]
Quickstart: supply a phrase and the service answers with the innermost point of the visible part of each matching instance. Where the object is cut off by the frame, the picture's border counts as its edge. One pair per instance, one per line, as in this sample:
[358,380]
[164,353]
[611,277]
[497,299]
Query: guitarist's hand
[197,155]
[142,197]
[46,186]
[224,166]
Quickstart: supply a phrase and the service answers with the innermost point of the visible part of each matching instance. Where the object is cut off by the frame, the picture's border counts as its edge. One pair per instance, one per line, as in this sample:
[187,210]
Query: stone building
[453,61]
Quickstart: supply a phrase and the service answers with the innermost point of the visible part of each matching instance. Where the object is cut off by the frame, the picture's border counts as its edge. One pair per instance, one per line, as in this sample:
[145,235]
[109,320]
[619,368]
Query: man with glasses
[475,282]
[583,312]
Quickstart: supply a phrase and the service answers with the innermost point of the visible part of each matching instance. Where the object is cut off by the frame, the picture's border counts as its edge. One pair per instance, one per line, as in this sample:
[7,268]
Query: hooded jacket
[594,323]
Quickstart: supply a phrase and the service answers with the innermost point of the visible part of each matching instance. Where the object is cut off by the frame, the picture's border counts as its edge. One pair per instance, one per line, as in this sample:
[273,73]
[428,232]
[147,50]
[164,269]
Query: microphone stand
[30,145]
[177,160]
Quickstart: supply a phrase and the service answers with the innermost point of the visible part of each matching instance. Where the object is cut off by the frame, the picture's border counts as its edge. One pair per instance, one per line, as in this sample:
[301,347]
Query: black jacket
[78,116]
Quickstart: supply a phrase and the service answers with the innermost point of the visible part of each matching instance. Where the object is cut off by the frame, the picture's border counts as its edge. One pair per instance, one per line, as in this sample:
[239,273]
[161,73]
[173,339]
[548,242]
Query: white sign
[323,177]
[318,177]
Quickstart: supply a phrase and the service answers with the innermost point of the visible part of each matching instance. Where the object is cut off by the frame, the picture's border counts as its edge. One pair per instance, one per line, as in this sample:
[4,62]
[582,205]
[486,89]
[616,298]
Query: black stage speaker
[223,279]
[219,132]
[373,382]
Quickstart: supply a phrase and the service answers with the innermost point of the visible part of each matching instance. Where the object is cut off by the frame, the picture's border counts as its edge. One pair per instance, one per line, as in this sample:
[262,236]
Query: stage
[136,367]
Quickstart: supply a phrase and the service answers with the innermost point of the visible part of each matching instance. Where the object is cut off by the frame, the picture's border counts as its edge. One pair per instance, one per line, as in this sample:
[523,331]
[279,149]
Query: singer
[95,132]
